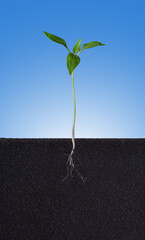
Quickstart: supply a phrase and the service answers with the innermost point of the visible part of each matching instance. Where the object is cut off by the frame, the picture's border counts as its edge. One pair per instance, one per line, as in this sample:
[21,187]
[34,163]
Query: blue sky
[36,98]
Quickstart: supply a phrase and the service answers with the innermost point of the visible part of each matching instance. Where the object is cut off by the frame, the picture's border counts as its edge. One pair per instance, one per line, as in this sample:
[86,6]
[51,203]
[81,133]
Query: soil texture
[35,204]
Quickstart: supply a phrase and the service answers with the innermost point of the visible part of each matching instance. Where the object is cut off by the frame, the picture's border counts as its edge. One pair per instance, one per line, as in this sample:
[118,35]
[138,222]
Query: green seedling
[73,61]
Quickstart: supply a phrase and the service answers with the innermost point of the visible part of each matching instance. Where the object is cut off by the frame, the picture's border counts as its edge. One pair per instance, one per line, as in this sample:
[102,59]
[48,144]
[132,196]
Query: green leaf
[56,39]
[91,45]
[72,62]
[77,46]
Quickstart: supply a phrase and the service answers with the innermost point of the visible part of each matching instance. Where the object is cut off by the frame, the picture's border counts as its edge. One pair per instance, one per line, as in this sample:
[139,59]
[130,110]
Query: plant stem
[68,49]
[79,52]
[73,129]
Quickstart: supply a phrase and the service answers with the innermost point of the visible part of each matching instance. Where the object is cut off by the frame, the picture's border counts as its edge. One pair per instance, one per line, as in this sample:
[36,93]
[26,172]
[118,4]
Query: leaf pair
[72,59]
[92,44]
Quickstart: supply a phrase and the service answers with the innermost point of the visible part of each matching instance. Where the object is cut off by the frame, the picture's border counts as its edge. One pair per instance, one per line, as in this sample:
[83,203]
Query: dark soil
[36,204]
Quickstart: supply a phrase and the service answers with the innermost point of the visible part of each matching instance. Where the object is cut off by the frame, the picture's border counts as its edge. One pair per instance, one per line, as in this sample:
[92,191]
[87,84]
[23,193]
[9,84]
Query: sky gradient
[36,98]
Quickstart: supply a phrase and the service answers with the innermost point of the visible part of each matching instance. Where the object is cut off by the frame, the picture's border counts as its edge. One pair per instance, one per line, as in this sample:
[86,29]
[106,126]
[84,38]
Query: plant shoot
[73,61]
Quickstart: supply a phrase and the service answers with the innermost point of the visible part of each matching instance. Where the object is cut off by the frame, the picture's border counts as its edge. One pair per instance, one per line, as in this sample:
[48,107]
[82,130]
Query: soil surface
[36,204]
